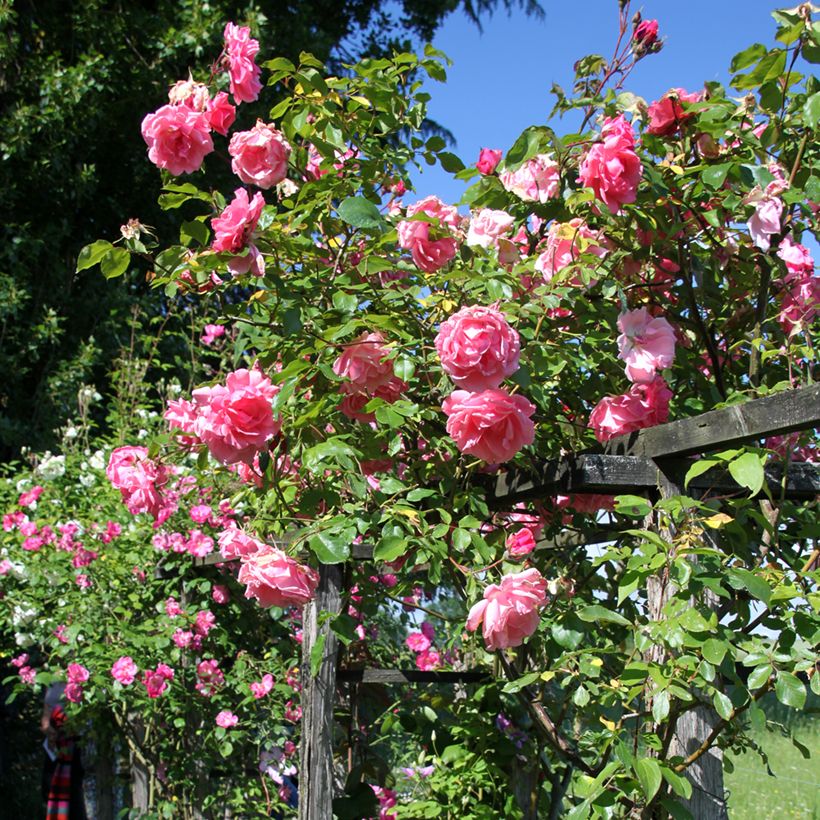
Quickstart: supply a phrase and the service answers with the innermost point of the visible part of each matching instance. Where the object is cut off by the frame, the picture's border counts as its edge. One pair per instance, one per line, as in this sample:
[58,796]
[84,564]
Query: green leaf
[790,690]
[758,676]
[632,505]
[333,547]
[450,162]
[389,548]
[748,472]
[404,368]
[195,231]
[518,684]
[723,706]
[747,57]
[115,263]
[91,254]
[660,706]
[581,696]
[649,776]
[345,302]
[714,651]
[680,784]
[600,613]
[360,213]
[811,110]
[740,578]
[715,175]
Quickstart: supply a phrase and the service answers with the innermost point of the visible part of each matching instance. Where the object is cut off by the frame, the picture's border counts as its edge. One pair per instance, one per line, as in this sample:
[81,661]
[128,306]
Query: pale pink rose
[178,138]
[477,347]
[251,262]
[418,642]
[491,425]
[667,115]
[509,610]
[431,255]
[433,207]
[261,688]
[488,159]
[521,543]
[138,478]
[226,719]
[235,421]
[537,180]
[565,243]
[765,221]
[241,50]
[181,415]
[204,622]
[76,673]
[428,661]
[488,226]
[192,94]
[220,113]
[644,405]
[798,258]
[156,680]
[124,670]
[234,227]
[260,156]
[365,362]
[275,579]
[611,167]
[800,304]
[646,344]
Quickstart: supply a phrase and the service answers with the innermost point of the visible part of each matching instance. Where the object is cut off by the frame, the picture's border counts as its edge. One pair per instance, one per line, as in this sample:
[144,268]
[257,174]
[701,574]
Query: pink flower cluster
[427,658]
[261,688]
[27,673]
[646,344]
[275,579]
[537,180]
[141,481]
[644,405]
[800,299]
[509,610]
[430,254]
[76,676]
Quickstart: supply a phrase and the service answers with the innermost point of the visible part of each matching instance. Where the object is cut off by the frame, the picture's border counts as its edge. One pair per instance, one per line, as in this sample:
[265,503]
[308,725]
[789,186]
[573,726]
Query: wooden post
[318,693]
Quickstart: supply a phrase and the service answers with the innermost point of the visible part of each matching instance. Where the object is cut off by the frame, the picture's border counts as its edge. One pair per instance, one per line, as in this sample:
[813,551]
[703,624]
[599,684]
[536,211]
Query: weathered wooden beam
[372,675]
[784,412]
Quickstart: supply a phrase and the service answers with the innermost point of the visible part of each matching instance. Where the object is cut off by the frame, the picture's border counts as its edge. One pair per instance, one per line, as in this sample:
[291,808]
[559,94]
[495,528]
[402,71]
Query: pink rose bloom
[275,579]
[429,254]
[29,497]
[537,180]
[20,661]
[138,479]
[646,344]
[428,661]
[521,543]
[209,677]
[235,421]
[491,425]
[172,608]
[178,138]
[181,415]
[585,502]
[488,159]
[183,638]
[76,673]
[226,719]
[611,167]
[418,642]
[365,362]
[477,347]
[200,513]
[220,113]
[565,243]
[260,156]
[124,670]
[765,221]
[234,543]
[261,688]
[156,680]
[234,227]
[204,622]
[241,50]
[646,33]
[487,226]
[5,566]
[221,594]
[73,692]
[667,115]
[797,257]
[800,304]
[198,544]
[432,206]
[29,676]
[644,405]
[509,610]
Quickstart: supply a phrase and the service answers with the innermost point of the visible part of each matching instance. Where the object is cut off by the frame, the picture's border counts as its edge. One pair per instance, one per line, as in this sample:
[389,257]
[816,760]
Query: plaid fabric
[58,806]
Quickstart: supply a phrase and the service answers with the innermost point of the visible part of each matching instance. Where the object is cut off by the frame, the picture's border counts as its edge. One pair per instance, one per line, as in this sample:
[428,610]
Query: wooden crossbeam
[372,675]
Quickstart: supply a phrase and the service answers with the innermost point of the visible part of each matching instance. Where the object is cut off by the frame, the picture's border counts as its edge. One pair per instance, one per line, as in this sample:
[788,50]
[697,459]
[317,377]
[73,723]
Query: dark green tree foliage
[75,81]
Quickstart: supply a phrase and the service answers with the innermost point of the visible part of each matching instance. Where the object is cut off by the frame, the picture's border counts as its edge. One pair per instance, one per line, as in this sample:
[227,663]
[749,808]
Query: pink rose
[487,226]
[226,719]
[765,221]
[521,543]
[241,50]
[172,608]
[139,480]
[235,421]
[646,344]
[204,622]
[234,227]
[492,425]
[261,688]
[644,405]
[509,610]
[220,113]
[800,304]
[797,257]
[537,180]
[488,159]
[209,678]
[478,348]
[275,579]
[124,670]
[611,167]
[73,692]
[178,138]
[646,33]
[234,543]
[365,362]
[221,594]
[428,661]
[418,642]
[429,254]
[260,156]
[667,115]
[565,243]
[156,680]
[76,673]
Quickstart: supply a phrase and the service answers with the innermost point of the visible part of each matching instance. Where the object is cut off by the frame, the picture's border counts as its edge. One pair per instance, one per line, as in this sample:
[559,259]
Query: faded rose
[537,180]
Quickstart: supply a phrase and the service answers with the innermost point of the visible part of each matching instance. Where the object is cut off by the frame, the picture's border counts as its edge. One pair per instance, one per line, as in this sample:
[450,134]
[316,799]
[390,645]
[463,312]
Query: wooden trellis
[648,462]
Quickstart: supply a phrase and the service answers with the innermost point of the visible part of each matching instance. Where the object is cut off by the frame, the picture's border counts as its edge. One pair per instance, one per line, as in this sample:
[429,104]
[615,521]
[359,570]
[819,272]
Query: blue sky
[500,79]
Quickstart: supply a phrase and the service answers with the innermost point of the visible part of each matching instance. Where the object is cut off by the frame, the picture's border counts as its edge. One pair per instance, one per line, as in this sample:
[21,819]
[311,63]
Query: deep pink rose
[241,50]
[488,226]
[76,673]
[667,115]
[509,610]
[478,348]
[646,344]
[235,421]
[565,243]
[261,688]
[765,221]
[488,159]
[73,692]
[492,425]
[156,680]
[260,156]
[220,113]
[428,661]
[221,594]
[235,225]
[521,543]
[611,167]
[646,33]
[537,180]
[178,138]
[124,670]
[365,363]
[226,719]
[275,579]
[418,642]
[644,405]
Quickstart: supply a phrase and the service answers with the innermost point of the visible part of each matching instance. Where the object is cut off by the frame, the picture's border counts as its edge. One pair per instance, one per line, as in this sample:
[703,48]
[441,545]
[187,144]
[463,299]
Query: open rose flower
[429,254]
[488,226]
[765,221]
[139,479]
[241,50]
[509,611]
[365,362]
[178,138]
[646,344]
[565,242]
[234,227]
[491,425]
[537,180]
[220,113]
[260,156]
[226,719]
[235,543]
[478,348]
[275,579]
[156,680]
[124,670]
[644,405]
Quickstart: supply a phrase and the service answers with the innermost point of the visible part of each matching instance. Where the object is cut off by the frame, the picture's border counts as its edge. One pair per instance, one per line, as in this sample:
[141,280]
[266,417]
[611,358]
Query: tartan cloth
[58,806]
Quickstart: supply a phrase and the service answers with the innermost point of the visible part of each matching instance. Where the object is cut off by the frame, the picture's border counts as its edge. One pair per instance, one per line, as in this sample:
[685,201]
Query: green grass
[793,788]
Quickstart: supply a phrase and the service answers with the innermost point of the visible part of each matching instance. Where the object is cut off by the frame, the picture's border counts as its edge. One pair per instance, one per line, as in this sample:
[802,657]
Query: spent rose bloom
[365,362]
[275,579]
[241,50]
[124,670]
[611,167]
[646,344]
[488,159]
[509,610]
[235,420]
[537,180]
[178,138]
[521,543]
[477,347]
[491,425]
[765,221]
[234,227]
[798,258]
[488,226]
[260,156]
[226,719]
[644,405]
[187,92]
